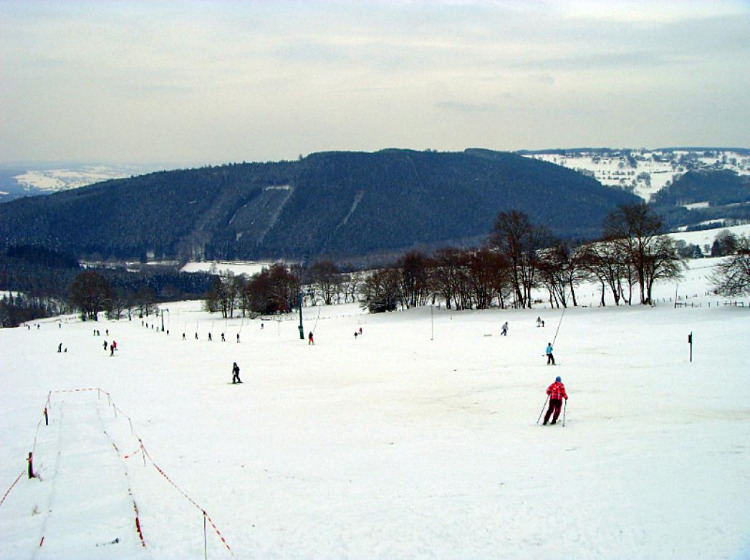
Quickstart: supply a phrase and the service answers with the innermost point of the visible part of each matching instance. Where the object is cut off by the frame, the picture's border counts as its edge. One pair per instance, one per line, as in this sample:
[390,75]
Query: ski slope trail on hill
[83,500]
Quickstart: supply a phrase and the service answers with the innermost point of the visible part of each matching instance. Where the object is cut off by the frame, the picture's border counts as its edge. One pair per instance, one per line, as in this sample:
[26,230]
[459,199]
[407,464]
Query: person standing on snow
[556,393]
[504,331]
[310,339]
[550,357]
[236,373]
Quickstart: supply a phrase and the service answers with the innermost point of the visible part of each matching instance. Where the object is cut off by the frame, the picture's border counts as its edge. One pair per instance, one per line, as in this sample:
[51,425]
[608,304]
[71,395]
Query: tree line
[518,259]
[38,282]
[521,257]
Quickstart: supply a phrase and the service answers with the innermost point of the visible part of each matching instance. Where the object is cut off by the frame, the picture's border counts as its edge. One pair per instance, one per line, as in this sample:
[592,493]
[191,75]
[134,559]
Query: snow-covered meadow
[418,439]
[653,170]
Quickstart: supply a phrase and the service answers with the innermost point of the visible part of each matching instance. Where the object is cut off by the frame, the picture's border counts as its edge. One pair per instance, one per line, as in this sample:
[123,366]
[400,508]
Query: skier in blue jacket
[550,357]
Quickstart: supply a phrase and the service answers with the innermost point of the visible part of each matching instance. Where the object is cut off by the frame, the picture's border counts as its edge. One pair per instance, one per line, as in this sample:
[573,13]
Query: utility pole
[432,321]
[301,328]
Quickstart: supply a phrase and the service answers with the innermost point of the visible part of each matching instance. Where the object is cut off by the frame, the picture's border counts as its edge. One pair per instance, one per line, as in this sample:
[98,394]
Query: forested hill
[337,204]
[701,197]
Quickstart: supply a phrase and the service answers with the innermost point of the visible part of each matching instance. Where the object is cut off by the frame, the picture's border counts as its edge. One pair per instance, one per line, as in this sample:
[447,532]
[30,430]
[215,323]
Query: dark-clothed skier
[556,393]
[550,357]
[310,339]
[236,373]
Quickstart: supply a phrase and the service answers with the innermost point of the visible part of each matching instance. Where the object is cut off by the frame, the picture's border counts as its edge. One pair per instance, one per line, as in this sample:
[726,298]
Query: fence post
[205,538]
[30,459]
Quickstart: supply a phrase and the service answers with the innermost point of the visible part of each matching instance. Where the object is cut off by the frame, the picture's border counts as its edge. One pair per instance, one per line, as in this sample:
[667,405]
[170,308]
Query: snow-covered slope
[62,179]
[645,172]
[39,179]
[418,439]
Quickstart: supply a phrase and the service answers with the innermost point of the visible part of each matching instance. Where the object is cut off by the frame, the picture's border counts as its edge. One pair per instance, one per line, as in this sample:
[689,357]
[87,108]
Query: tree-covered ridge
[702,196]
[37,282]
[714,187]
[341,204]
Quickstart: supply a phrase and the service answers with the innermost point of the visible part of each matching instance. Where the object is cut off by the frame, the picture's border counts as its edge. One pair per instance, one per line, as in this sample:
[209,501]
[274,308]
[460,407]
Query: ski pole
[543,407]
[565,406]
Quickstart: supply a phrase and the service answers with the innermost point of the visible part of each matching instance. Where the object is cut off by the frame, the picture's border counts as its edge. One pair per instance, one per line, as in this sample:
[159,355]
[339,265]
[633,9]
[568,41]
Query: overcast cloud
[195,82]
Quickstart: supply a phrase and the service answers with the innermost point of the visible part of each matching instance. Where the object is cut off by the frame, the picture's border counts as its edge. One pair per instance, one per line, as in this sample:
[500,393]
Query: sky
[197,82]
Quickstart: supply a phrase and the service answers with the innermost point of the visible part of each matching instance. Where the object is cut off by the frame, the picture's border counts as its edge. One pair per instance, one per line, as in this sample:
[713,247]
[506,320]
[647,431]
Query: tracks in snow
[88,493]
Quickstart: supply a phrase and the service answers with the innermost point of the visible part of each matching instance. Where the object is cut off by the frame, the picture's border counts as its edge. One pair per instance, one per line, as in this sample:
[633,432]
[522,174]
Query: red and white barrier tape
[143,449]
[191,500]
[11,487]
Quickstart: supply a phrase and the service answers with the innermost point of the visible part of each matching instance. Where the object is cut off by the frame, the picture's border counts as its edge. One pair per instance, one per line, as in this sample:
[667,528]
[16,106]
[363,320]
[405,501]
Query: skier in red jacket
[556,393]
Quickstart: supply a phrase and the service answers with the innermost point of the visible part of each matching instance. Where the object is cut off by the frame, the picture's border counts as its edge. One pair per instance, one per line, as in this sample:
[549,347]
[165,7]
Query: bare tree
[381,290]
[272,290]
[661,262]
[414,278]
[488,276]
[351,285]
[608,262]
[91,293]
[327,277]
[731,276]
[519,240]
[553,274]
[562,268]
[121,300]
[637,230]
[447,275]
[145,299]
[223,294]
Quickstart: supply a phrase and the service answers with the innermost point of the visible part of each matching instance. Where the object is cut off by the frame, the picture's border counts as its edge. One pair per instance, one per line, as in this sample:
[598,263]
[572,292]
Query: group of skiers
[210,336]
[556,391]
[112,347]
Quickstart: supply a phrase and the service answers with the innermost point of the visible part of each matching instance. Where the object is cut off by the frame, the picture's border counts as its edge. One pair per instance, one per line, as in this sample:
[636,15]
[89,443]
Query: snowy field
[418,439]
[248,268]
[706,237]
[661,167]
[52,178]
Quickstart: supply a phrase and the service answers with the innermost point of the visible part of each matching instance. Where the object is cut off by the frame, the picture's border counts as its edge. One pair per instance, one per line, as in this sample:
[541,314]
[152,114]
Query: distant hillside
[701,197]
[645,172]
[35,179]
[338,204]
